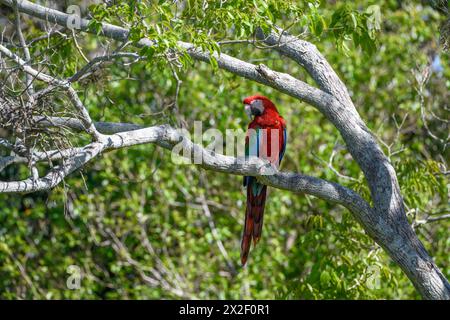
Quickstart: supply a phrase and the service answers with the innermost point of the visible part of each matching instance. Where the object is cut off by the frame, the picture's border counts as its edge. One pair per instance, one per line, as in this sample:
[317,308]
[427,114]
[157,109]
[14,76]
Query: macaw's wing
[274,145]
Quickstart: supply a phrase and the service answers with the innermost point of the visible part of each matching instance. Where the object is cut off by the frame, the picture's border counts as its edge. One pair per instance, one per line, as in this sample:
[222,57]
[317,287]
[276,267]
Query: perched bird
[266,138]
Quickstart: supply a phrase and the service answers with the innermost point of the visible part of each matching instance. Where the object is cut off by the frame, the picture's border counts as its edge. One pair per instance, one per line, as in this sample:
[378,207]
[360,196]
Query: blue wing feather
[283,149]
[251,152]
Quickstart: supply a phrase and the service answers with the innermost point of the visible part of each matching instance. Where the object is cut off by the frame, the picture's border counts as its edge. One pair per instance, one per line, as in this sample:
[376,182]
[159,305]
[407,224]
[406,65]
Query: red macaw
[266,138]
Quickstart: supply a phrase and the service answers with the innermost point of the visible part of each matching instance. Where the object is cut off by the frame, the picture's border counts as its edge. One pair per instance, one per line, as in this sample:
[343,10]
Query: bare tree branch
[98,60]
[73,96]
[54,177]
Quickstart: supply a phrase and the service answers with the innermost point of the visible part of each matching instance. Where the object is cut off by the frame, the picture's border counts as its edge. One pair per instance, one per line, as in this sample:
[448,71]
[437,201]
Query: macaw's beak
[248,110]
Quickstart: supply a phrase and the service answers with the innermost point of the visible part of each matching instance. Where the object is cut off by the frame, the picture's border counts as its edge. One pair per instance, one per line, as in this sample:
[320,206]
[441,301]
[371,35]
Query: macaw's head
[258,105]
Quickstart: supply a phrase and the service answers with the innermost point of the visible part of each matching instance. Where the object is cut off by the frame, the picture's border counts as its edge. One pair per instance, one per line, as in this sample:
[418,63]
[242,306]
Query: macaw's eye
[257,107]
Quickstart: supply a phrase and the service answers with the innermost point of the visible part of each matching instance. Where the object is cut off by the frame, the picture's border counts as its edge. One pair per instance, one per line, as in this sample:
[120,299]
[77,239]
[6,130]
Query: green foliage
[310,249]
[361,27]
[205,23]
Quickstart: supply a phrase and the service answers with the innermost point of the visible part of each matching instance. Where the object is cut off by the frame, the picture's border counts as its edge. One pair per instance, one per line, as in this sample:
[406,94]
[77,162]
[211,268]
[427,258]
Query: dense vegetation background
[139,226]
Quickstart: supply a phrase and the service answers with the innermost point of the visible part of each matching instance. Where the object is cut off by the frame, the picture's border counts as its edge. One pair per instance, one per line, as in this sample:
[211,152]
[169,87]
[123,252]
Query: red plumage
[269,144]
